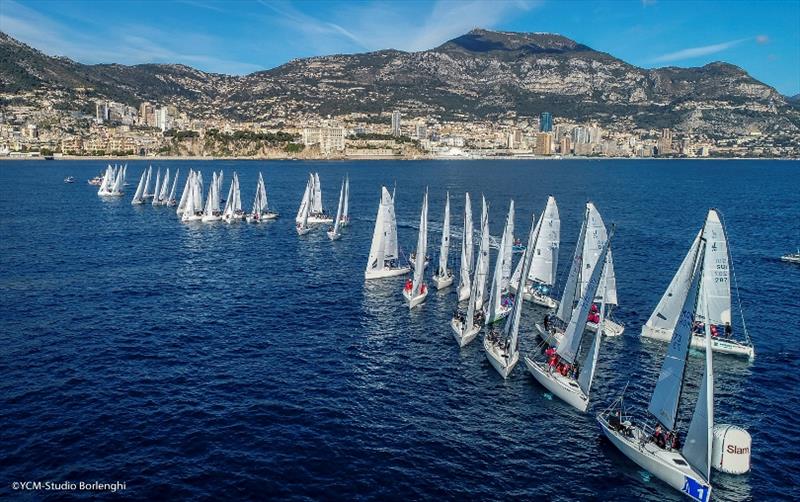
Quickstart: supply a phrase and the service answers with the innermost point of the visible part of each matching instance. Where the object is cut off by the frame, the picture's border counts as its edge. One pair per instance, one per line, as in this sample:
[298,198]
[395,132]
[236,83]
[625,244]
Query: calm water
[210,361]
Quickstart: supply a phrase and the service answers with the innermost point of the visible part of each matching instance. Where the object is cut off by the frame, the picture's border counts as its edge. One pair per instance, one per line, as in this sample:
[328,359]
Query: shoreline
[361,158]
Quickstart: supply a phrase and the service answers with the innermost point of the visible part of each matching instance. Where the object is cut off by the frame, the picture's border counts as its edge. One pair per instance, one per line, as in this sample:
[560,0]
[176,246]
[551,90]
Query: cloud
[762,39]
[696,52]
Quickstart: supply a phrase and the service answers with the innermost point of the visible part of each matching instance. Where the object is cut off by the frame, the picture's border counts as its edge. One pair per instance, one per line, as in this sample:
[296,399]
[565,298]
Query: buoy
[730,452]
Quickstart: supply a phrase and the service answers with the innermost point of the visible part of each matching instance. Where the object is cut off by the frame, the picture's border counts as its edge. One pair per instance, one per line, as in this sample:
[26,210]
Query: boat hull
[387,272]
[315,220]
[191,217]
[501,314]
[565,388]
[414,301]
[551,338]
[463,294]
[442,282]
[610,328]
[660,463]
[210,218]
[720,345]
[334,236]
[463,337]
[302,230]
[532,295]
[264,217]
[497,359]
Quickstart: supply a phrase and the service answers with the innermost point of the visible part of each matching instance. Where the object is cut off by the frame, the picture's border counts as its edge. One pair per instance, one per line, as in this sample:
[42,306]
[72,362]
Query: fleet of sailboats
[694,311]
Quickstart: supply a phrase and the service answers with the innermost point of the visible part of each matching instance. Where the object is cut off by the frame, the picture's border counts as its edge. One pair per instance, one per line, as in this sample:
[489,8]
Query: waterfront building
[565,146]
[544,144]
[396,131]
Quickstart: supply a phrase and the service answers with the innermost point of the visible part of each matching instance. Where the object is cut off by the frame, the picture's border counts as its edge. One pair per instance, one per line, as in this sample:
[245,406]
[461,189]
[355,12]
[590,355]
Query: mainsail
[444,249]
[502,264]
[337,222]
[466,250]
[697,450]
[545,261]
[384,237]
[566,305]
[511,328]
[316,203]
[303,202]
[715,287]
[596,236]
[482,265]
[422,247]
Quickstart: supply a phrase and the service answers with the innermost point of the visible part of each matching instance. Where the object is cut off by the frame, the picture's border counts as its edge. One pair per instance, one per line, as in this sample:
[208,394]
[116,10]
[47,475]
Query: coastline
[362,158]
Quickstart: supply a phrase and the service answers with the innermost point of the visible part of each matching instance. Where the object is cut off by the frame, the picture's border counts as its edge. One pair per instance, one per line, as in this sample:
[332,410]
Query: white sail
[187,190]
[384,237]
[147,192]
[511,327]
[715,287]
[162,195]
[444,248]
[305,209]
[571,341]
[664,402]
[212,201]
[503,262]
[482,265]
[191,206]
[566,305]
[666,314]
[237,194]
[303,202]
[595,238]
[545,261]
[171,197]
[260,199]
[137,197]
[464,285]
[104,184]
[157,188]
[346,205]
[197,191]
[229,201]
[422,247]
[699,439]
[590,363]
[316,205]
[263,191]
[338,219]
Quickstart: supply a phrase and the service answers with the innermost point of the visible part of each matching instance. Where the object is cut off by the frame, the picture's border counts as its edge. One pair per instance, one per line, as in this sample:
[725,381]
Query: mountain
[482,74]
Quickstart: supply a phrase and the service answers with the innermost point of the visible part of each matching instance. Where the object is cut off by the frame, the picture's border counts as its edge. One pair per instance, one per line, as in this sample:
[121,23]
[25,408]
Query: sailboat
[112,182]
[591,239]
[383,253]
[161,194]
[443,277]
[481,274]
[464,281]
[157,188]
[316,210]
[233,204]
[211,210]
[301,221]
[500,301]
[334,233]
[658,451]
[415,291]
[170,201]
[559,373]
[187,189]
[715,289]
[138,197]
[147,195]
[502,347]
[545,261]
[193,210]
[260,211]
[463,331]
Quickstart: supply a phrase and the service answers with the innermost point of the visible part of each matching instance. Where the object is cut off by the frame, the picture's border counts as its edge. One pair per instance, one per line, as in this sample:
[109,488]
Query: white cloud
[696,52]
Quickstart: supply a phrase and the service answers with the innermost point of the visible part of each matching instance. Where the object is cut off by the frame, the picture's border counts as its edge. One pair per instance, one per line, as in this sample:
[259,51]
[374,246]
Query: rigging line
[735,282]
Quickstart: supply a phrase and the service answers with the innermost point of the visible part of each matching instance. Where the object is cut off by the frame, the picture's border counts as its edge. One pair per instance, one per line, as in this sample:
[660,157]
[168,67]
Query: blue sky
[238,37]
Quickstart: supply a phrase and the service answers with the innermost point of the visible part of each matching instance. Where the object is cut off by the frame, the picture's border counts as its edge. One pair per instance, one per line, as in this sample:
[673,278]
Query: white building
[396,131]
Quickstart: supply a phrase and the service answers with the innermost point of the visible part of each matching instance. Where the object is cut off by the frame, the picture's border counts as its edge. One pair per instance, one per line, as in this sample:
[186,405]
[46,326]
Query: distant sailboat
[443,277]
[464,281]
[715,286]
[658,451]
[314,195]
[500,301]
[482,261]
[558,372]
[260,212]
[545,261]
[416,290]
[161,194]
[344,220]
[147,193]
[233,211]
[193,209]
[383,253]
[157,188]
[171,197]
[112,182]
[502,346]
[138,197]
[187,189]
[464,330]
[211,210]
[334,233]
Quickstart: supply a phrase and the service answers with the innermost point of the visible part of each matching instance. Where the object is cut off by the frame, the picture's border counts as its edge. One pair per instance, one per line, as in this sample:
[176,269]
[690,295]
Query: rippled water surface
[215,361]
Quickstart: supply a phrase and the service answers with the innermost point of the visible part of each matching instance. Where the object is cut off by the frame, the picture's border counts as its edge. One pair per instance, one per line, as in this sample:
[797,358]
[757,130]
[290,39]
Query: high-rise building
[101,111]
[580,135]
[544,144]
[162,119]
[565,146]
[420,131]
[665,142]
[146,114]
[395,123]
[545,122]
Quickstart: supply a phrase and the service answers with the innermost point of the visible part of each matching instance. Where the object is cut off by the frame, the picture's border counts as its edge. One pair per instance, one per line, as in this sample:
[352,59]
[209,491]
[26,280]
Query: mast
[174,186]
[444,249]
[306,196]
[667,394]
[590,363]
[482,267]
[699,439]
[336,223]
[570,344]
[422,246]
[570,288]
[466,248]
[377,250]
[511,327]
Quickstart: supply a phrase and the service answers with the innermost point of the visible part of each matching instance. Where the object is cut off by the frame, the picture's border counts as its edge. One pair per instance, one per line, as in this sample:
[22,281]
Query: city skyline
[244,37]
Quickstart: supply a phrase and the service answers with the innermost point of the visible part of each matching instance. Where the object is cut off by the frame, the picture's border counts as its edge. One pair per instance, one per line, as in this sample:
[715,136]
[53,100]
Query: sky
[242,36]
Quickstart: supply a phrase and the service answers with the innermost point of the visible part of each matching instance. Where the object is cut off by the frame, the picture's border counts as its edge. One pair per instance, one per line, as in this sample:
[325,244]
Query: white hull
[302,230]
[333,235]
[442,282]
[501,314]
[416,300]
[720,345]
[386,272]
[236,218]
[137,202]
[532,295]
[210,218]
[660,463]
[610,328]
[463,294]
[191,217]
[552,338]
[565,388]
[314,220]
[264,217]
[463,337]
[498,359]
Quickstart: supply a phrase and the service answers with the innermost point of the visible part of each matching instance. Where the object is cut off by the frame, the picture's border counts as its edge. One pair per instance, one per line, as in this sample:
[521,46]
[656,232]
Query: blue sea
[218,361]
